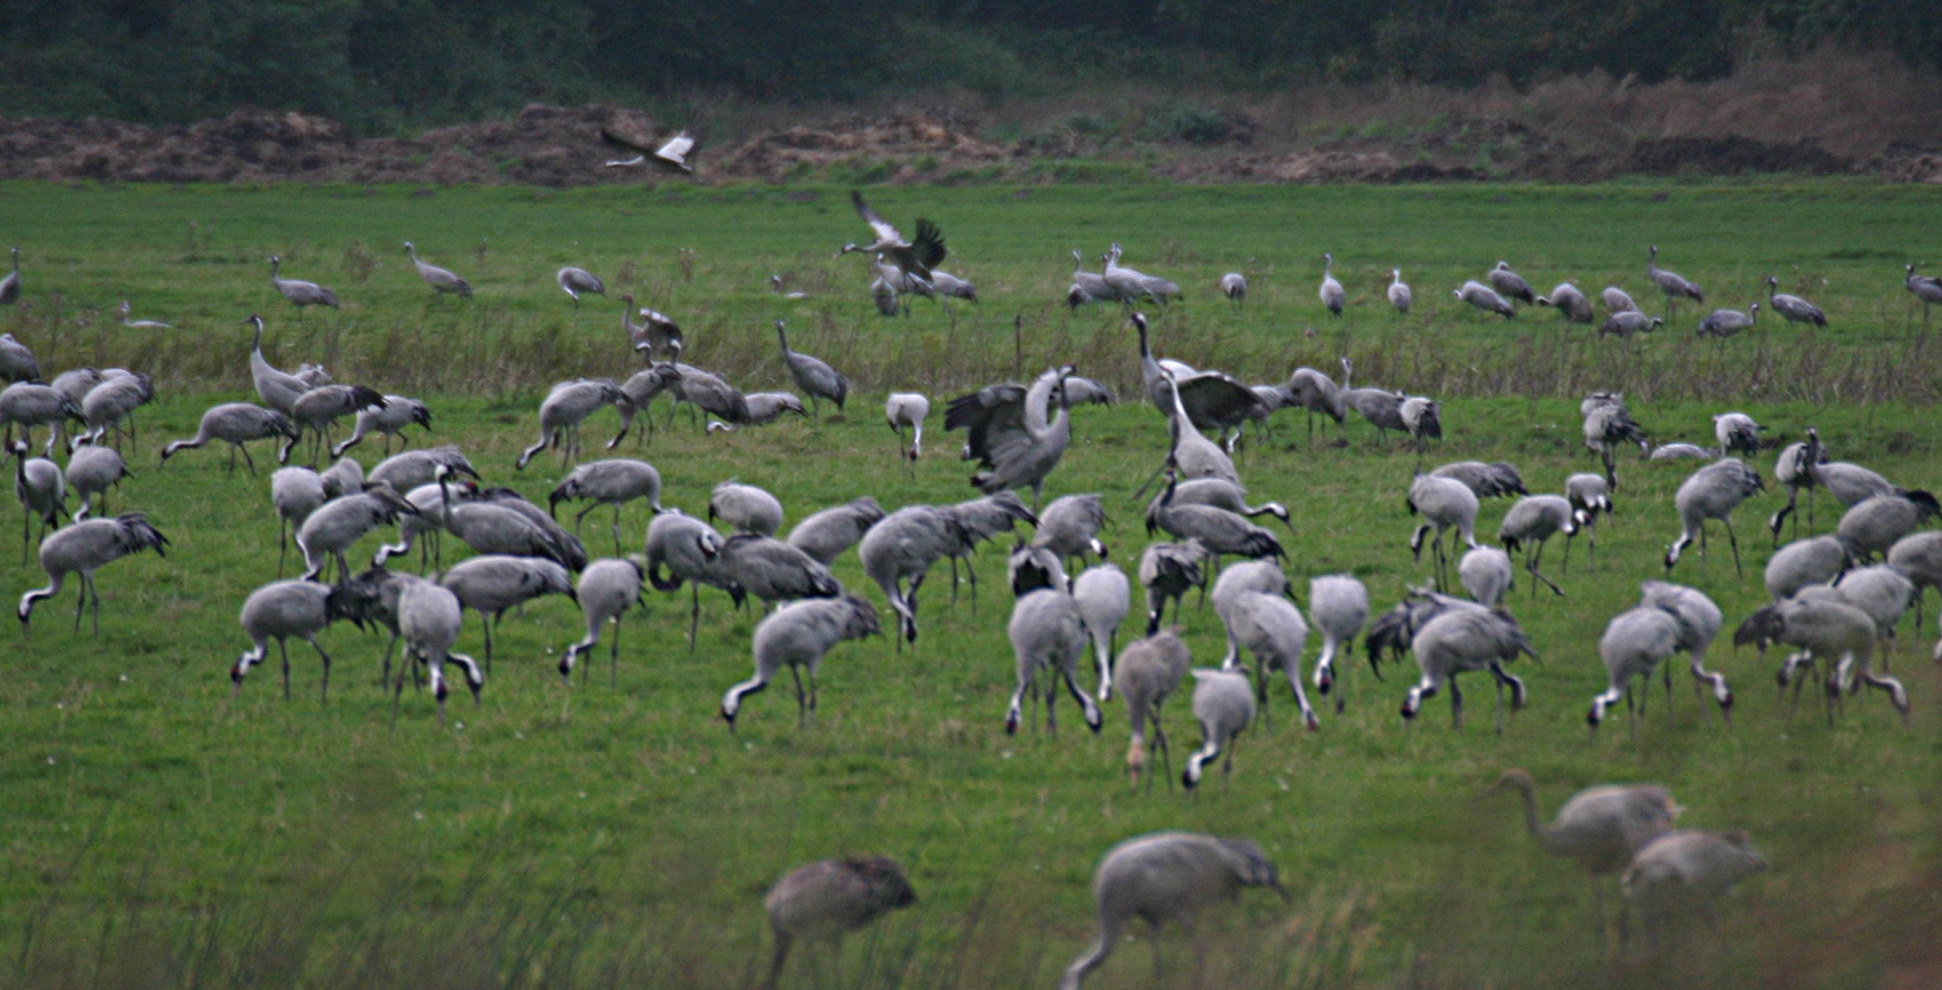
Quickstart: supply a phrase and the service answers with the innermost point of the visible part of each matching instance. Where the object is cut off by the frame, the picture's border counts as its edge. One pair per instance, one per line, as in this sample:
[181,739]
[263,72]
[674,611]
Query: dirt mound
[1732,155]
[1323,167]
[901,148]
[1901,163]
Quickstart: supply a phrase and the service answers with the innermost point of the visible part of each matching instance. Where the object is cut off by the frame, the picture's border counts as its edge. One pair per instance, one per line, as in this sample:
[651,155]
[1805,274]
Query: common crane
[574,281]
[83,548]
[1509,284]
[236,423]
[1570,303]
[818,380]
[300,293]
[798,635]
[671,155]
[1399,294]
[606,590]
[441,280]
[1331,292]
[830,898]
[1791,308]
[914,257]
[1672,284]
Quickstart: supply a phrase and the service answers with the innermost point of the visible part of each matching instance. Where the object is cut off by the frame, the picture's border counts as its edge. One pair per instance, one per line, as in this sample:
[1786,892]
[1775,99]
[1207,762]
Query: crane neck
[782,337]
[1528,795]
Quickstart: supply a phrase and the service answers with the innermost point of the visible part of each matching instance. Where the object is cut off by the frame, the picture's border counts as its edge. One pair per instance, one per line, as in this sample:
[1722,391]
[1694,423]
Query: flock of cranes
[1830,601]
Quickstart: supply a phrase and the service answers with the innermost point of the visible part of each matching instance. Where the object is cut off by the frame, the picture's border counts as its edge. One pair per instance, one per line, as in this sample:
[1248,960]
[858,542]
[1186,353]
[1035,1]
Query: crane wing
[884,231]
[928,249]
[674,154]
[1215,399]
[988,416]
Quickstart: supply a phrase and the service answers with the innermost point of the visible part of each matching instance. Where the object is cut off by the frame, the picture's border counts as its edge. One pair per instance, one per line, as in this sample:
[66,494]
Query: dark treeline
[388,64]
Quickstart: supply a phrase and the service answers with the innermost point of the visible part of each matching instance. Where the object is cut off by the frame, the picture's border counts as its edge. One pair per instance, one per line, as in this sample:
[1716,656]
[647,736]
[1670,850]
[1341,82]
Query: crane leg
[1733,542]
[283,649]
[613,657]
[694,614]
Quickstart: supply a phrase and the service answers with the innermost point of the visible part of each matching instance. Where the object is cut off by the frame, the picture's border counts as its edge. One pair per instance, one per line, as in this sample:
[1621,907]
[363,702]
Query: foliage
[384,64]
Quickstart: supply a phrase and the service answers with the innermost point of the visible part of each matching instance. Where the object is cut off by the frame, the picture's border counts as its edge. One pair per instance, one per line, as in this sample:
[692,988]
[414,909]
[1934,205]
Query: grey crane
[1395,631]
[1339,606]
[1217,530]
[1626,322]
[1224,706]
[574,281]
[1533,520]
[1017,441]
[345,477]
[1590,498]
[1508,283]
[1222,494]
[300,293]
[1128,284]
[1048,633]
[1791,469]
[1087,287]
[830,898]
[10,286]
[316,412]
[1233,285]
[670,156]
[563,410]
[1498,480]
[1382,408]
[1711,493]
[1422,420]
[818,380]
[1673,285]
[656,332]
[1848,483]
[1484,298]
[825,535]
[1827,628]
[606,590]
[41,489]
[709,393]
[799,635]
[1444,503]
[1317,393]
[1069,527]
[1331,292]
[1635,643]
[1919,557]
[615,482]
[1148,671]
[1699,623]
[1724,323]
[494,523]
[1571,303]
[278,389]
[775,286]
[1816,560]
[686,549]
[745,508]
[108,404]
[92,470]
[1485,574]
[1167,877]
[1191,454]
[1609,423]
[1029,568]
[898,552]
[333,527]
[1793,309]
[236,423]
[491,583]
[83,548]
[907,409]
[1874,525]
[916,257]
[31,404]
[285,610]
[390,419]
[1399,294]
[977,521]
[638,393]
[891,287]
[1461,640]
[1170,570]
[1880,590]
[441,280]
[17,361]
[1104,597]
[1264,576]
[429,619]
[1680,452]
[952,287]
[1926,288]
[412,468]
[763,408]
[774,571]
[1270,627]
[75,383]
[296,492]
[1617,300]
[133,323]
[1737,433]
[1683,872]
[1600,827]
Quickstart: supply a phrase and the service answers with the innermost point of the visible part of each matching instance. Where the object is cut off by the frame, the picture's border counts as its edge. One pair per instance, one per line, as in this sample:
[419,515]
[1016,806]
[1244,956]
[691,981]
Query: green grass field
[159,833]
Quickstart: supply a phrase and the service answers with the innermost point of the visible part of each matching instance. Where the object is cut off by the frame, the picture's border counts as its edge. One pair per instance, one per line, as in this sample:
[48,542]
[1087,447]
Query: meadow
[160,832]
